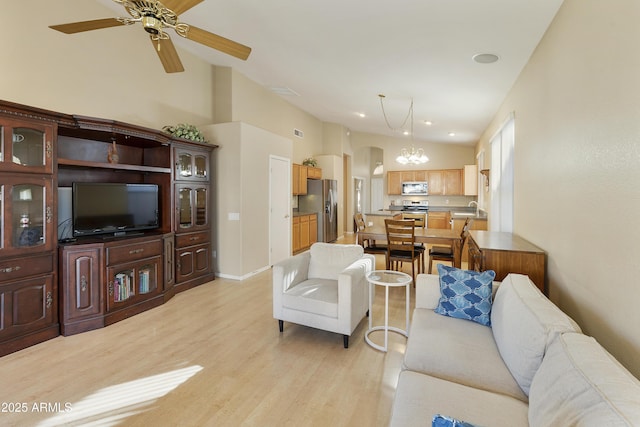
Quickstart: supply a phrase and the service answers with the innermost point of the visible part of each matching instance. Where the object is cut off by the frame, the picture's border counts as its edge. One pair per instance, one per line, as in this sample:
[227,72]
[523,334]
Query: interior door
[279,209]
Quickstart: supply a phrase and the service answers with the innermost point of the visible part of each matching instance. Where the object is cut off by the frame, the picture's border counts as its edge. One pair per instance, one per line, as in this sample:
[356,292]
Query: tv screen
[113,208]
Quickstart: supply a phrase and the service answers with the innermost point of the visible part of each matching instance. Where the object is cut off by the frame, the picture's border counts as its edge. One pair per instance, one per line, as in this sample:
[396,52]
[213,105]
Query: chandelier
[412,156]
[409,155]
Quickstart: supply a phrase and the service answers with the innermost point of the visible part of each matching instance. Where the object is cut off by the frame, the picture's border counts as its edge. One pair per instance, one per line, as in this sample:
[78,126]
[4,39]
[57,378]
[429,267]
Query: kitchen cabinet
[435,179]
[299,176]
[506,253]
[313,172]
[299,179]
[394,183]
[445,182]
[304,232]
[470,176]
[439,220]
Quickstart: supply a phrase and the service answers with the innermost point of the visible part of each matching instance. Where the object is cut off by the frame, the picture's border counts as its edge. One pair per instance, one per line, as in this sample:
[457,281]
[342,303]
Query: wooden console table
[507,253]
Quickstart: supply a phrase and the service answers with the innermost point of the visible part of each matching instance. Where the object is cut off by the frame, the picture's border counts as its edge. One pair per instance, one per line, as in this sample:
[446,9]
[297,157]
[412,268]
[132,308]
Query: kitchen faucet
[477,206]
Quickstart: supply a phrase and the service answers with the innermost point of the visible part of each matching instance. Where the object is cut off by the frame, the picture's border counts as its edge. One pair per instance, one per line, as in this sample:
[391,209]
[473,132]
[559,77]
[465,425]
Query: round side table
[387,278]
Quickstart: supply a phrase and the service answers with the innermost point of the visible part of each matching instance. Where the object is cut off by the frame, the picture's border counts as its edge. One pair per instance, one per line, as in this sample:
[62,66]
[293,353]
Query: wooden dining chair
[370,246]
[401,244]
[445,253]
[420,222]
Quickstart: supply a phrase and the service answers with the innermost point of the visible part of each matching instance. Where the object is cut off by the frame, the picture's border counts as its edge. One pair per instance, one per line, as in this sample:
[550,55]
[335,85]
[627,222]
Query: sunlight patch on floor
[110,405]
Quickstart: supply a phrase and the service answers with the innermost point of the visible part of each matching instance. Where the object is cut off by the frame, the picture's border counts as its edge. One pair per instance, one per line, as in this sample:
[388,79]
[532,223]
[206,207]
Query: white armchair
[324,288]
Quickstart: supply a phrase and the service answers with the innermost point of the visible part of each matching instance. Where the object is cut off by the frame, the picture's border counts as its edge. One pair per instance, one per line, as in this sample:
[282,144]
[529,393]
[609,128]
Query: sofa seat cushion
[524,322]
[419,397]
[580,384]
[328,260]
[318,296]
[458,350]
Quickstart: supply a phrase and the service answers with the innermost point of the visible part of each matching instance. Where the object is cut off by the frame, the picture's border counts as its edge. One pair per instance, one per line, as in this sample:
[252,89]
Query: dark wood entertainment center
[50,287]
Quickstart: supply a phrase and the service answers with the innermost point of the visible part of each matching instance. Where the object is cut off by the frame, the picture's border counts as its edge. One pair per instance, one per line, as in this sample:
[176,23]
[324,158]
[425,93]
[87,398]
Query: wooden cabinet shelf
[100,165]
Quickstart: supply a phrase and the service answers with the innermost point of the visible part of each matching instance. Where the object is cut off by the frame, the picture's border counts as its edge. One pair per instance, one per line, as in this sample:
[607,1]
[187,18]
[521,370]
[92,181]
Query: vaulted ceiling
[334,57]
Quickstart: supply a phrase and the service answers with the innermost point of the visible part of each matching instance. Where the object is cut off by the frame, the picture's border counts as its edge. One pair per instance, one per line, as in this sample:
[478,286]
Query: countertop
[303,213]
[453,209]
[501,241]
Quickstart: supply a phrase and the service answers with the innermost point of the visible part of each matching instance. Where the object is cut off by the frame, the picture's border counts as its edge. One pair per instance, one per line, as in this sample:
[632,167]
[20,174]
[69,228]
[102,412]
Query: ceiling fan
[156,17]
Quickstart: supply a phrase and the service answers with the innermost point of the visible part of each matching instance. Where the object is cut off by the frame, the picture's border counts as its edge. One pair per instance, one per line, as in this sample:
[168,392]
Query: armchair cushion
[329,260]
[319,296]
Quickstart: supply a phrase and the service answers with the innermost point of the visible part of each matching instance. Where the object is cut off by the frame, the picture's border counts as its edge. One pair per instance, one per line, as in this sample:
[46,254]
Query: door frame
[275,236]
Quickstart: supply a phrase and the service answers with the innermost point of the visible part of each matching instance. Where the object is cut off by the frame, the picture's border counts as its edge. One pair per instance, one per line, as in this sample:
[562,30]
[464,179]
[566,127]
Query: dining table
[446,237]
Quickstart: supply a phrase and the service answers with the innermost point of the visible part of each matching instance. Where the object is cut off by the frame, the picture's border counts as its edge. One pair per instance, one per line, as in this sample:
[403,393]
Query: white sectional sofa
[532,366]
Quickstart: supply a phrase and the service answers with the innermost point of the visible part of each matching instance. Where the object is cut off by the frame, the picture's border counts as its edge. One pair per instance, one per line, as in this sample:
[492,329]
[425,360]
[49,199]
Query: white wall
[577,166]
[242,187]
[112,73]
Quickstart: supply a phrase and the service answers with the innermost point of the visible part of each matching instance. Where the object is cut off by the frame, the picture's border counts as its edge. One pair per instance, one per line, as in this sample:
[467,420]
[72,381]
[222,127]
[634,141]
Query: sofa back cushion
[580,384]
[328,260]
[524,322]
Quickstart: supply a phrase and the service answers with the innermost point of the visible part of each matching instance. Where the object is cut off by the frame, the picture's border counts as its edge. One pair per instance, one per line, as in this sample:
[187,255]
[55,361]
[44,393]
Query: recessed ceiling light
[363,115]
[406,132]
[485,58]
[452,134]
[428,122]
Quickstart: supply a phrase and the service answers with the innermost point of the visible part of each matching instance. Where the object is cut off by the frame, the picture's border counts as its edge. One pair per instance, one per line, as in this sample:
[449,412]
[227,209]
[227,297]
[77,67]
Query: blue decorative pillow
[444,421]
[465,294]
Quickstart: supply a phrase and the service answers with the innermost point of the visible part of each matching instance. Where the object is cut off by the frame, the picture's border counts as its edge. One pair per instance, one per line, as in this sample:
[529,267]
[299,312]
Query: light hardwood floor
[211,356]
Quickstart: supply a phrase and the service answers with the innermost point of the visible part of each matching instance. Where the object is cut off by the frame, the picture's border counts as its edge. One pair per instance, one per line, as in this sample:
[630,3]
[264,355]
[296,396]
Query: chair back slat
[400,234]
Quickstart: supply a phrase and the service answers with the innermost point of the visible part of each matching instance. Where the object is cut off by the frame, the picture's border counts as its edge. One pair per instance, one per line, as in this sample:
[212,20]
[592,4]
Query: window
[502,145]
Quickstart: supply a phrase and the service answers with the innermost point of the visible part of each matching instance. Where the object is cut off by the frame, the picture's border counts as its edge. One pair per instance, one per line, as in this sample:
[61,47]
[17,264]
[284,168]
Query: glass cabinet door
[201,206]
[184,165]
[192,206]
[27,210]
[192,165]
[26,146]
[185,211]
[201,163]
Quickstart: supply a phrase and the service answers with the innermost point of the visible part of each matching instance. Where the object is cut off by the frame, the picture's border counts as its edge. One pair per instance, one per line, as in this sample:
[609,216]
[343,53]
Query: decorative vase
[113,154]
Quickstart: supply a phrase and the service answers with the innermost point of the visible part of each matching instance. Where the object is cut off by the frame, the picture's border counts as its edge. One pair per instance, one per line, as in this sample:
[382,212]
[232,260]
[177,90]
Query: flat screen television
[113,208]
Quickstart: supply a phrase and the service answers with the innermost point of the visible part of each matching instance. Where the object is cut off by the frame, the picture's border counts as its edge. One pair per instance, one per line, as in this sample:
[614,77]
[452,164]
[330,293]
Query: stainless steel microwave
[415,188]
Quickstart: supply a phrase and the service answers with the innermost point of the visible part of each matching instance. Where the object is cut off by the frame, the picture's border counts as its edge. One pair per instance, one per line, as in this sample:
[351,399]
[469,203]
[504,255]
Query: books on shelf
[123,287]
[143,285]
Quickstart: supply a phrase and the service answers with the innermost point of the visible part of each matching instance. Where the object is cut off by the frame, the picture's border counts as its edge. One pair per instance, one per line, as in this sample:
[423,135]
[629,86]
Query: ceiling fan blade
[168,56]
[180,6]
[78,27]
[218,42]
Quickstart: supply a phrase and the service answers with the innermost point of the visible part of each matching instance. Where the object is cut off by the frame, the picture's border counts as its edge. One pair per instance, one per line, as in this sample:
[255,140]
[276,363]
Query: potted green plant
[186,131]
[310,161]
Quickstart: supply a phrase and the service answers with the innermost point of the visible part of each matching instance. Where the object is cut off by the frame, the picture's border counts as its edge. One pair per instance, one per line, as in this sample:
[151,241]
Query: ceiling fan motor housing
[151,24]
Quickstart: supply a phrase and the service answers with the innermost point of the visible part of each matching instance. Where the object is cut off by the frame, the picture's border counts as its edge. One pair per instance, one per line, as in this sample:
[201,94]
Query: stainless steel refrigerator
[322,198]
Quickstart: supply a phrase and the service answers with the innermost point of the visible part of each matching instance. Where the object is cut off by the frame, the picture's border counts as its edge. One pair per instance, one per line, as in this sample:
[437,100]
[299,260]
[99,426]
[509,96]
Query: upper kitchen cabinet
[447,182]
[26,146]
[299,176]
[470,180]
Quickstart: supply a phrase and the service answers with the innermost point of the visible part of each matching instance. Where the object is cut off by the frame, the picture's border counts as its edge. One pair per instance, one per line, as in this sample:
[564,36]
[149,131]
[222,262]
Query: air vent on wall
[298,133]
